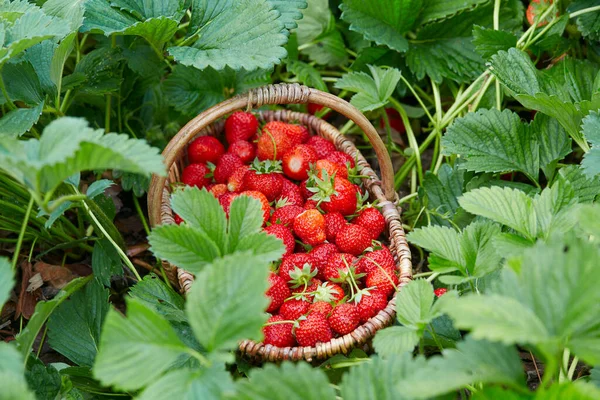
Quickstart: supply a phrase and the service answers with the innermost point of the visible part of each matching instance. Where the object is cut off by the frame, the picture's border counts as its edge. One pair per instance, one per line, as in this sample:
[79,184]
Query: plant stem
[438,103]
[42,341]
[412,90]
[572,368]
[435,338]
[407,198]
[22,233]
[411,136]
[136,203]
[9,102]
[584,11]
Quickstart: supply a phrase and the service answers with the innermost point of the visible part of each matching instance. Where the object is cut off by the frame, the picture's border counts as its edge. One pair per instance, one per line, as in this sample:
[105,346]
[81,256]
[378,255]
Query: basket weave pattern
[209,123]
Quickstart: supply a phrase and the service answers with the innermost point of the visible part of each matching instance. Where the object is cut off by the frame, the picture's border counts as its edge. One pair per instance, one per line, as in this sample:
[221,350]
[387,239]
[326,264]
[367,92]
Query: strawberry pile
[335,273]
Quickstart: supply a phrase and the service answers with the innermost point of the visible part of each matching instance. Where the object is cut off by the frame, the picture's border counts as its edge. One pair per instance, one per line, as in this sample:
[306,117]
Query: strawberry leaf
[316,19]
[154,293]
[372,92]
[69,10]
[396,340]
[226,303]
[488,41]
[328,48]
[129,358]
[17,122]
[290,11]
[554,142]
[7,280]
[589,23]
[591,132]
[585,189]
[306,74]
[206,384]
[435,10]
[288,381]
[227,37]
[12,369]
[245,218]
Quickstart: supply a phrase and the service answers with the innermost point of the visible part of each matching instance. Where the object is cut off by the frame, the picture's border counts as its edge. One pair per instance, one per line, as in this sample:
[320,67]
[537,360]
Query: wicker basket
[210,123]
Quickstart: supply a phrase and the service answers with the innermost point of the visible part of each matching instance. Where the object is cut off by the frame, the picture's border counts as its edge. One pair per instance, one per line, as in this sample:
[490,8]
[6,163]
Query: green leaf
[227,302]
[245,218]
[286,382]
[589,23]
[493,141]
[69,10]
[191,91]
[98,72]
[327,48]
[290,11]
[489,41]
[591,162]
[585,189]
[554,142]
[229,38]
[443,190]
[577,390]
[184,246]
[68,145]
[130,357]
[383,21]
[442,241]
[306,74]
[43,310]
[434,10]
[44,380]
[491,393]
[74,328]
[395,340]
[267,247]
[155,294]
[373,91]
[106,262]
[415,301]
[205,384]
[7,280]
[595,376]
[22,83]
[546,299]
[316,19]
[17,122]
[591,132]
[12,381]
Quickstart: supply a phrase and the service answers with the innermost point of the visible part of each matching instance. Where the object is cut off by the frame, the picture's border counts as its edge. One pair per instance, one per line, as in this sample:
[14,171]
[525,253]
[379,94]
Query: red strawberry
[237,181]
[381,258]
[297,161]
[310,227]
[313,108]
[205,149]
[280,334]
[331,168]
[312,330]
[336,263]
[285,234]
[322,146]
[370,304]
[395,120]
[305,292]
[244,150]
[371,219]
[306,194]
[278,291]
[329,292]
[384,281]
[296,133]
[290,193]
[293,261]
[320,307]
[353,239]
[218,189]
[344,318]
[226,199]
[226,166]
[294,309]
[310,205]
[240,126]
[178,219]
[286,215]
[341,158]
[439,292]
[334,194]
[264,177]
[266,208]
[320,255]
[334,222]
[273,142]
[198,175]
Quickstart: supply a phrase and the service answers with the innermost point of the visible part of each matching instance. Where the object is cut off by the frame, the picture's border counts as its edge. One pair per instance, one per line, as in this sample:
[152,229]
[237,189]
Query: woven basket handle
[283,93]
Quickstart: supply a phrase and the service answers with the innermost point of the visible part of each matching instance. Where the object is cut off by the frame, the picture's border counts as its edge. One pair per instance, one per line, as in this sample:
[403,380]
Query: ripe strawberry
[334,194]
[312,330]
[297,161]
[286,215]
[266,208]
[240,126]
[329,292]
[278,291]
[377,259]
[198,175]
[297,134]
[294,309]
[244,150]
[537,8]
[313,108]
[395,120]
[290,193]
[320,255]
[331,168]
[341,158]
[322,146]
[218,189]
[285,234]
[344,318]
[205,149]
[310,205]
[273,142]
[353,239]
[226,166]
[338,263]
[304,192]
[280,334]
[310,227]
[334,222]
[306,292]
[371,219]
[320,307]
[226,199]
[439,292]
[370,304]
[384,281]
[264,177]
[237,180]
[178,219]
[293,261]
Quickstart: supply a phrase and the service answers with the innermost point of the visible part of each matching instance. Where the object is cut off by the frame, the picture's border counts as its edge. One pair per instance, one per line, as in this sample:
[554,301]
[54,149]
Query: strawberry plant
[489,110]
